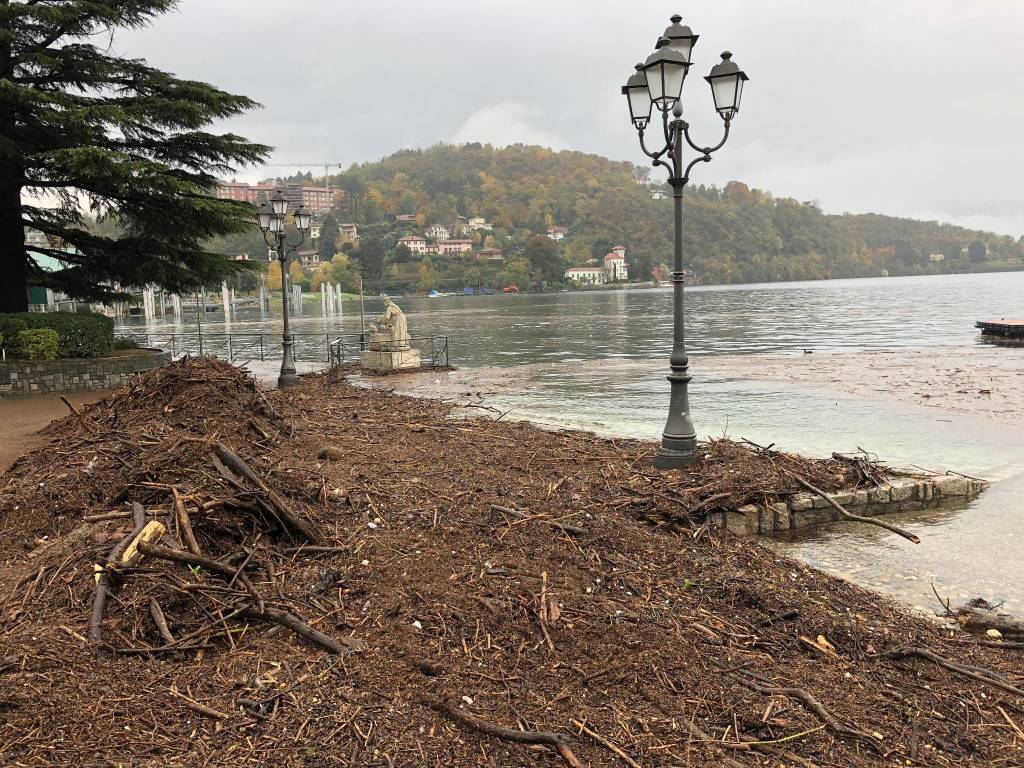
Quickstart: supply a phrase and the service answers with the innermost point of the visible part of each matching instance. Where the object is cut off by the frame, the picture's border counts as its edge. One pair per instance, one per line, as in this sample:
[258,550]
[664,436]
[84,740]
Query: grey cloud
[908,108]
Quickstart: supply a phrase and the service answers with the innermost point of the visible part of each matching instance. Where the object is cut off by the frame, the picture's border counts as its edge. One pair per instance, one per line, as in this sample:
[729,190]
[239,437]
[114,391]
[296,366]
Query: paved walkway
[22,417]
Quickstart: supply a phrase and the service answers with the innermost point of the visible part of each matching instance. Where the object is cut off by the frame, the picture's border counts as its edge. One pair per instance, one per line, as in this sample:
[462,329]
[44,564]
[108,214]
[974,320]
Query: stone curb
[900,494]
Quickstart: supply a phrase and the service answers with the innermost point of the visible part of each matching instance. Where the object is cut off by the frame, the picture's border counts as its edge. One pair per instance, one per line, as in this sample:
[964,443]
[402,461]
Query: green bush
[38,344]
[81,334]
[125,342]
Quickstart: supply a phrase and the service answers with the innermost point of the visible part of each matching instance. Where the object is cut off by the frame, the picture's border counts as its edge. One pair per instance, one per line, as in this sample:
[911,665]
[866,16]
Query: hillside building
[615,265]
[454,247]
[414,243]
[556,233]
[490,254]
[317,200]
[438,232]
[586,275]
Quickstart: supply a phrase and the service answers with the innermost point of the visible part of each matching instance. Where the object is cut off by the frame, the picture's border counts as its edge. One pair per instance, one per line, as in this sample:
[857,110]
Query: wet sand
[21,418]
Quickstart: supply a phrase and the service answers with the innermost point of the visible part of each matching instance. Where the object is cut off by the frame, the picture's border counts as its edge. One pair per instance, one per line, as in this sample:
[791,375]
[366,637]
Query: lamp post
[658,83]
[271,220]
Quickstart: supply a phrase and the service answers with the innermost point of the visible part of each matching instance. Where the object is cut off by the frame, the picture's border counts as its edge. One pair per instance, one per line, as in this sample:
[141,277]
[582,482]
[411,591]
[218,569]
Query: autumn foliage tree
[83,128]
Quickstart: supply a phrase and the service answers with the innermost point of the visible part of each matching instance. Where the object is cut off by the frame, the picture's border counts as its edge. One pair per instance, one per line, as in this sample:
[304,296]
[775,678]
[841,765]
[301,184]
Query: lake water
[597,361]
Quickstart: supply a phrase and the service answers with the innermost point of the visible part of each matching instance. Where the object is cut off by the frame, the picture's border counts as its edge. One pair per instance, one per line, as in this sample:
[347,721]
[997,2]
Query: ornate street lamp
[663,73]
[270,216]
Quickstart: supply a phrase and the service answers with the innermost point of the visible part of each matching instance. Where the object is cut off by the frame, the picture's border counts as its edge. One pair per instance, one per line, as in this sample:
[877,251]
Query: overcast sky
[905,107]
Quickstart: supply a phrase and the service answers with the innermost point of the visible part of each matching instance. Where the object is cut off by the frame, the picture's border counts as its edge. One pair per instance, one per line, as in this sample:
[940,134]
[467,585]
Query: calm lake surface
[597,361]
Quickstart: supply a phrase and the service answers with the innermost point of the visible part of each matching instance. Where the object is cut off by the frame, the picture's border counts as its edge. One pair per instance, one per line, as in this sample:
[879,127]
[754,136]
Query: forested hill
[735,234]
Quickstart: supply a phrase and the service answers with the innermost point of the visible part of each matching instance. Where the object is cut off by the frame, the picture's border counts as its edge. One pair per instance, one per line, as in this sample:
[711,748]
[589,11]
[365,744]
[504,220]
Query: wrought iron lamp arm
[279,240]
[652,155]
[706,150]
[655,156]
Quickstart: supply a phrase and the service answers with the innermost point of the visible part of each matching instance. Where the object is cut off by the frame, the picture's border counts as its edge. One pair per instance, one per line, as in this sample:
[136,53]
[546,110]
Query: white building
[587,275]
[556,233]
[472,224]
[36,239]
[438,232]
[615,264]
[351,231]
[414,243]
[936,257]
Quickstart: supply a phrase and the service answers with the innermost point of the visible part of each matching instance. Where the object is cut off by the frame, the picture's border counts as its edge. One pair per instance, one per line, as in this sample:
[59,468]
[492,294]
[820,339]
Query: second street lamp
[270,216]
[663,73]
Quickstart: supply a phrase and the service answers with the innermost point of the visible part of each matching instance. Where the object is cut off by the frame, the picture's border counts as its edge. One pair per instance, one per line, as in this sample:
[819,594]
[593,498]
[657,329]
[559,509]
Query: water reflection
[833,315]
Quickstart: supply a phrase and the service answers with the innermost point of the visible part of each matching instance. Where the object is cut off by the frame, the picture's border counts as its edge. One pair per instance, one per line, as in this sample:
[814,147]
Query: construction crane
[325,166]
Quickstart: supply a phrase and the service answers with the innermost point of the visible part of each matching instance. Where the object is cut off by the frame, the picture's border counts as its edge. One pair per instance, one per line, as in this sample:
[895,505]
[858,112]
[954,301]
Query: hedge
[80,334]
[39,343]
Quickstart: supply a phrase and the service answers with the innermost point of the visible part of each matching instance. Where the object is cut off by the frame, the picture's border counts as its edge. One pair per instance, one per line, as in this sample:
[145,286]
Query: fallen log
[979,621]
[151,533]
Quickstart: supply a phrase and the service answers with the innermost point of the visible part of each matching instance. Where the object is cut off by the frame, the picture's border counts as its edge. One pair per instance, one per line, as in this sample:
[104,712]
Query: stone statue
[392,334]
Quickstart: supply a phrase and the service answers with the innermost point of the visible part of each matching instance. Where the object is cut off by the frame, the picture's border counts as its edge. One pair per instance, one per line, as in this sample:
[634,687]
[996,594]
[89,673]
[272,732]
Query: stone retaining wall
[28,377]
[804,509]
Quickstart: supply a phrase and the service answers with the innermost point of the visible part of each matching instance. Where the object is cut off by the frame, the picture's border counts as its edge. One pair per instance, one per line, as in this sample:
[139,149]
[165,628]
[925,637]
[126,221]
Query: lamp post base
[287,380]
[666,458]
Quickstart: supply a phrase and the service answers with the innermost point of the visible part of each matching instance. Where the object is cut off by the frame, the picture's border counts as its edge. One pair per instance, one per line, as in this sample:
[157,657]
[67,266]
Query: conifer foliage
[83,129]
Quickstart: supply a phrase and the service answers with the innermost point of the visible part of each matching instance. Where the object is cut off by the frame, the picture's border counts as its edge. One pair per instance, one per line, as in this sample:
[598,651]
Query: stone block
[924,490]
[743,520]
[804,518]
[879,496]
[820,503]
[780,516]
[801,503]
[951,487]
[902,490]
[860,499]
[390,361]
[843,498]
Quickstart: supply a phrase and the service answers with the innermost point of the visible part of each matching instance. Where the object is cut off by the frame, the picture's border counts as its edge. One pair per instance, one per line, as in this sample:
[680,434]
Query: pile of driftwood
[196,572]
[196,521]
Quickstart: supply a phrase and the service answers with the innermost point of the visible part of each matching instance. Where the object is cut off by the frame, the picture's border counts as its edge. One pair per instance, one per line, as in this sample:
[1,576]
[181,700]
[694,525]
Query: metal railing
[433,349]
[306,347]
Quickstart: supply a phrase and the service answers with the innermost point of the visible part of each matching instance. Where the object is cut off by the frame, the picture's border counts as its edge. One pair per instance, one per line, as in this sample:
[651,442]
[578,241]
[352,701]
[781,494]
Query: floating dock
[1008,327]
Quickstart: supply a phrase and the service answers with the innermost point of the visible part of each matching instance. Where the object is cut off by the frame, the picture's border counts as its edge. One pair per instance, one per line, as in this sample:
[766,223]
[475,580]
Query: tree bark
[13,268]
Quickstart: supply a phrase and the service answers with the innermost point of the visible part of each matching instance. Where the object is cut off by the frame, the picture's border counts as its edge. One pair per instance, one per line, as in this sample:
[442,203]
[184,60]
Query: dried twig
[980,674]
[849,515]
[103,583]
[554,741]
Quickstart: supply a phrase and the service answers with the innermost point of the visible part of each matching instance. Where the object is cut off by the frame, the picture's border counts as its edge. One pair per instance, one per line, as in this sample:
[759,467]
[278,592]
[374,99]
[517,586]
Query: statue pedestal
[382,361]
